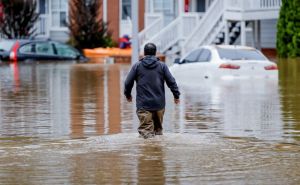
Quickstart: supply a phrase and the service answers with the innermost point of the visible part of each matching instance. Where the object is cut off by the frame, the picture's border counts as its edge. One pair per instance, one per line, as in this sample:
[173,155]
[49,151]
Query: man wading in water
[150,75]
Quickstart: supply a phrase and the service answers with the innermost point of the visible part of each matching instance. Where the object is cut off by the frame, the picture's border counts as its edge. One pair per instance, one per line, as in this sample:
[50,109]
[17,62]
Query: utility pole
[135,31]
[105,11]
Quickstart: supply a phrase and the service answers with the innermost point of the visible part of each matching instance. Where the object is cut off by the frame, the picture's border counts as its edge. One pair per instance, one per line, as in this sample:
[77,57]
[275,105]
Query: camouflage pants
[150,122]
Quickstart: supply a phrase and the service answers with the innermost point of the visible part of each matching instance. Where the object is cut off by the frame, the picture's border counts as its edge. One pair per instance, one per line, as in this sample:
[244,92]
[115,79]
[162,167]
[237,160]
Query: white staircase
[155,24]
[172,34]
[208,28]
[211,29]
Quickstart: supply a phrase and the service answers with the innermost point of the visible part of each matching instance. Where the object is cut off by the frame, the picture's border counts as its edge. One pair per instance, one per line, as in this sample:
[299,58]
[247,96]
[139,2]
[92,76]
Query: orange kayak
[106,52]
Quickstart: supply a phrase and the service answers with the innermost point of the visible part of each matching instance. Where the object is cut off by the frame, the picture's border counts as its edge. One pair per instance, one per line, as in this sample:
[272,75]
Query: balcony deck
[246,10]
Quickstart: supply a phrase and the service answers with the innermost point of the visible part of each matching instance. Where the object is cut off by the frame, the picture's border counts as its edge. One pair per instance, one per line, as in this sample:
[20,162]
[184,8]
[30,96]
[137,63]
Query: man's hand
[176,101]
[129,99]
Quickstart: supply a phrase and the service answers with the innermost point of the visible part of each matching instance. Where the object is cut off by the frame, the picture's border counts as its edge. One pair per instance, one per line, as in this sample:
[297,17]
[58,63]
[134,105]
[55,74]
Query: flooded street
[69,123]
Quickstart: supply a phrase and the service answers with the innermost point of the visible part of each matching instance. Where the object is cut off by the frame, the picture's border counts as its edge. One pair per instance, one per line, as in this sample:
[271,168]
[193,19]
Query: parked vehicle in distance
[21,50]
[223,61]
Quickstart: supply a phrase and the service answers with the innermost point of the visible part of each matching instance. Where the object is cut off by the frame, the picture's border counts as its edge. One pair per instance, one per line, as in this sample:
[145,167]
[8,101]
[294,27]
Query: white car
[225,62]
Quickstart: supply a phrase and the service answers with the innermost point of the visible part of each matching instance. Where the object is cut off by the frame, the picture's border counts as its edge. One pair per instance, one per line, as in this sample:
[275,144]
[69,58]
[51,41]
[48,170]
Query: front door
[197,6]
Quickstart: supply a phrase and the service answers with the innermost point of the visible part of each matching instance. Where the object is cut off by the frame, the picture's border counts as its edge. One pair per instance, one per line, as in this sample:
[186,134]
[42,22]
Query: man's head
[150,49]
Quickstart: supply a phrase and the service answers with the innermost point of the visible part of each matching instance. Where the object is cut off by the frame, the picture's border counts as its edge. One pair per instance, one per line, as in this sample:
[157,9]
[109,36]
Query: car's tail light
[13,53]
[271,67]
[229,66]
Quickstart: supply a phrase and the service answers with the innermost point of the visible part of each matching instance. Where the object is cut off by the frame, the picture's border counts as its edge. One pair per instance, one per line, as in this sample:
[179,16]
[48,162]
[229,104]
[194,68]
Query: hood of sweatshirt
[150,62]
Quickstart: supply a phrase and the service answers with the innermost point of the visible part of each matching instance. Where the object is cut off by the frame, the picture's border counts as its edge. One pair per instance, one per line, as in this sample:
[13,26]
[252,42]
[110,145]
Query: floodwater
[68,123]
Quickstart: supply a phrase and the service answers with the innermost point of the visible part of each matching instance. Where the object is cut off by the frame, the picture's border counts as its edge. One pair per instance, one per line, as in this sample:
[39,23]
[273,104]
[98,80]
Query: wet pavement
[68,123]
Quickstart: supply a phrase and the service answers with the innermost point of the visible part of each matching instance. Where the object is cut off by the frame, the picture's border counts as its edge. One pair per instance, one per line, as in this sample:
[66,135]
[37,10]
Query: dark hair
[150,49]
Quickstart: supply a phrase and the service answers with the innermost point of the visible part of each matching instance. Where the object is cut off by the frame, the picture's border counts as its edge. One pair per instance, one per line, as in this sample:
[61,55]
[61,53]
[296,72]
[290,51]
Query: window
[192,57]
[126,9]
[65,51]
[59,10]
[27,49]
[200,6]
[204,56]
[44,48]
[240,54]
[42,6]
[166,6]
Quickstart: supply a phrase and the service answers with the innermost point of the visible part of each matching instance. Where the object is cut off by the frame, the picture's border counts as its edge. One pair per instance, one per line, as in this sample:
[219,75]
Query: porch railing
[155,24]
[177,30]
[252,5]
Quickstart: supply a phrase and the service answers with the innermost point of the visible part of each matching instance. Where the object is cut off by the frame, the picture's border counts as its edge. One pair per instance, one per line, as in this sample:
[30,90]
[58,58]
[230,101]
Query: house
[54,14]
[177,26]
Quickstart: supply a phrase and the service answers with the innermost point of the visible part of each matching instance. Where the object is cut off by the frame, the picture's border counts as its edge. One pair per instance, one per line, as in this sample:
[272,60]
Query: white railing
[252,5]
[208,22]
[152,17]
[177,30]
[151,29]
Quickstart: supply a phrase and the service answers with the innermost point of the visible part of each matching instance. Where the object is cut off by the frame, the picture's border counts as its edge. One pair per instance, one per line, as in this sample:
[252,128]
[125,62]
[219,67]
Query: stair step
[220,35]
[235,29]
[232,34]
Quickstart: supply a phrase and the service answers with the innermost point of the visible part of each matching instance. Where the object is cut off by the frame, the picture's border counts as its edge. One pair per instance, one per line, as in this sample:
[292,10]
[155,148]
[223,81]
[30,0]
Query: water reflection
[151,166]
[234,108]
[54,100]
[206,137]
[15,71]
[290,96]
[169,159]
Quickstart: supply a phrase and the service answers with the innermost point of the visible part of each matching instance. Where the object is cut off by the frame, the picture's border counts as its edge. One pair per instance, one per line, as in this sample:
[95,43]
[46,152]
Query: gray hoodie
[150,75]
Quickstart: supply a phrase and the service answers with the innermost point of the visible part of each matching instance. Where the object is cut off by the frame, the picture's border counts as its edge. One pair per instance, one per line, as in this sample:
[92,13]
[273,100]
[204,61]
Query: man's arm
[129,83]
[171,83]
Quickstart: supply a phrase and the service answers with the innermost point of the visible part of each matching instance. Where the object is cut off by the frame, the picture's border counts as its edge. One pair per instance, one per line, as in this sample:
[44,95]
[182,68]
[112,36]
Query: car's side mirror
[182,61]
[177,61]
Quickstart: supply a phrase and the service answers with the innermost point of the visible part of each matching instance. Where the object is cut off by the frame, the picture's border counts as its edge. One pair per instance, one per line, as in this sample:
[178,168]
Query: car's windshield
[240,54]
[6,45]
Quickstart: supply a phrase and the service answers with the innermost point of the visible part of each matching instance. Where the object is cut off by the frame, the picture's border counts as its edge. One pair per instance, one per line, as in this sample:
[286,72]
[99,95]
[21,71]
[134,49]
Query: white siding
[268,33]
[62,36]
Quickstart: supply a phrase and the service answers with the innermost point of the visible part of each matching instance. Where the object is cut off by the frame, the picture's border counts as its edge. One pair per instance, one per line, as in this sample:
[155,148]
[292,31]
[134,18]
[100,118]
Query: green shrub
[288,29]
[87,30]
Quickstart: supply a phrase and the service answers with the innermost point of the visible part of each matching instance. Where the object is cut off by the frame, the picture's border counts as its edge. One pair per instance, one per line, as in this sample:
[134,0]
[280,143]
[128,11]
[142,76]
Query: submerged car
[224,61]
[21,50]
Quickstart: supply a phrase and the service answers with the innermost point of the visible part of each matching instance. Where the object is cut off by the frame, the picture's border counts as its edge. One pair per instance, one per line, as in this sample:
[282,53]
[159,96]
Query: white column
[253,33]
[105,10]
[180,7]
[259,35]
[49,24]
[243,33]
[150,6]
[135,31]
[226,35]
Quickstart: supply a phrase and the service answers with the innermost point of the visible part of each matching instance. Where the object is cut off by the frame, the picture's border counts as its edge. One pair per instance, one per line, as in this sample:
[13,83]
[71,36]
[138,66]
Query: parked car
[21,50]
[223,61]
